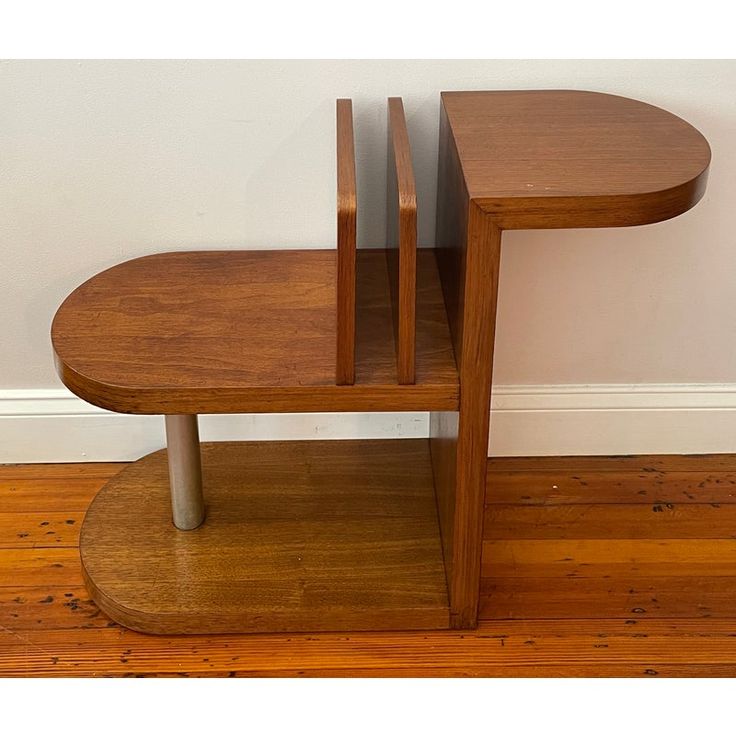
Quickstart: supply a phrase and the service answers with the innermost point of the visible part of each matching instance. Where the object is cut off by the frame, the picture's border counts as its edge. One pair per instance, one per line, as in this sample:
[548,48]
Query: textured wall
[102,161]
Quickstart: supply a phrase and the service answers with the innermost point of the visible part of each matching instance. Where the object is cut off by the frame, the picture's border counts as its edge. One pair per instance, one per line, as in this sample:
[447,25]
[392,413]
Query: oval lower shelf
[299,536]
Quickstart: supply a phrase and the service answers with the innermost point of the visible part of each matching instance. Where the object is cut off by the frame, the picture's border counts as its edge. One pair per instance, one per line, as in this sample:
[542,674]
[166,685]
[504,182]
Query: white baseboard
[52,425]
[613,419]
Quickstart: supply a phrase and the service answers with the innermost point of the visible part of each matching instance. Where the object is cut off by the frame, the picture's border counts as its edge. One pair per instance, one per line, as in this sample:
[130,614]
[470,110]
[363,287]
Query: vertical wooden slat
[401,240]
[346,244]
[468,254]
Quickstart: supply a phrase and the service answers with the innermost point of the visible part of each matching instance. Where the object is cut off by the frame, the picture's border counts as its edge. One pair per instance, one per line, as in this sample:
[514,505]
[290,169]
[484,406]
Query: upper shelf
[557,159]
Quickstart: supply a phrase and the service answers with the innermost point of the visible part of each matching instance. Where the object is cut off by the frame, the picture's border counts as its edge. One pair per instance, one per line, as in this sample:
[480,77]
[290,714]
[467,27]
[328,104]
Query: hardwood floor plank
[598,669]
[50,607]
[30,568]
[623,558]
[632,598]
[495,647]
[611,521]
[616,463]
[40,530]
[63,495]
[17,471]
[647,670]
[555,487]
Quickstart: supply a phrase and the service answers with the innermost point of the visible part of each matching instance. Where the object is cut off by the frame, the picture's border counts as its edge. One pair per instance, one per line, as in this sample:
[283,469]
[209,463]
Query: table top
[565,158]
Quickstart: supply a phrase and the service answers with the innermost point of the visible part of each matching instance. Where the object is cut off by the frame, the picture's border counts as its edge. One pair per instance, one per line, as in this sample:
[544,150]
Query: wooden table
[386,534]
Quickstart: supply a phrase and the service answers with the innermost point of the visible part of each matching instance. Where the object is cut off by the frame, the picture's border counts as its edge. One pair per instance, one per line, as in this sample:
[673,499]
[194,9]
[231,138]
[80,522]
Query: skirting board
[52,425]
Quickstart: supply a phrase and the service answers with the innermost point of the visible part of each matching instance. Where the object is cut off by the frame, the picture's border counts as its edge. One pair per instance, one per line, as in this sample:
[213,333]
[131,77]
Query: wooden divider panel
[346,243]
[401,240]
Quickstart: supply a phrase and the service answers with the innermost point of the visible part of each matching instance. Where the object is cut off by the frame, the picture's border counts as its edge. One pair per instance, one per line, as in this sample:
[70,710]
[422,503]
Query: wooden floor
[621,566]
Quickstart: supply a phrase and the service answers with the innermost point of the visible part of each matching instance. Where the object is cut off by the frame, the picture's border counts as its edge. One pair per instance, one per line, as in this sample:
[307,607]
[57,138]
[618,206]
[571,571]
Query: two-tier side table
[359,534]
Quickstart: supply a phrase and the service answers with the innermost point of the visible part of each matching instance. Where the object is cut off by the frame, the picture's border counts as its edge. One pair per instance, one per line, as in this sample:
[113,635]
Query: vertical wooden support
[401,240]
[469,248]
[346,244]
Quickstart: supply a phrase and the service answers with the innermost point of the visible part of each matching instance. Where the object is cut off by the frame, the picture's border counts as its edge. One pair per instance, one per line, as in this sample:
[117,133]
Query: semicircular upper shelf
[563,158]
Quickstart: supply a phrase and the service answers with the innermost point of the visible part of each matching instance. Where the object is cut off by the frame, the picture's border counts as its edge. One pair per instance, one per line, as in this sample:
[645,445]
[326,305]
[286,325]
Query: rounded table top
[566,158]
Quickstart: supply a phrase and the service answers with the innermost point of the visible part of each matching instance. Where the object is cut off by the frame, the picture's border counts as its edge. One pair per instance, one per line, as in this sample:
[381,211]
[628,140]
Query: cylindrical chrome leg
[185,470]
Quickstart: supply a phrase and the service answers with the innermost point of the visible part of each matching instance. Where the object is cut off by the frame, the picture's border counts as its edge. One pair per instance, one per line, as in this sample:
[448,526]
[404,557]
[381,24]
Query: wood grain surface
[244,331]
[376,361]
[469,251]
[401,238]
[467,477]
[568,158]
[676,622]
[347,218]
[450,246]
[299,536]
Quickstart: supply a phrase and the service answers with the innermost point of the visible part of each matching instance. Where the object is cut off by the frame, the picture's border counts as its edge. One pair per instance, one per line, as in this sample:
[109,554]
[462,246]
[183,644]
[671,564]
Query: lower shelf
[299,536]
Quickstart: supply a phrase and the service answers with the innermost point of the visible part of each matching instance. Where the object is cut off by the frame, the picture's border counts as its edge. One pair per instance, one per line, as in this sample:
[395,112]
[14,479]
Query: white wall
[104,161]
